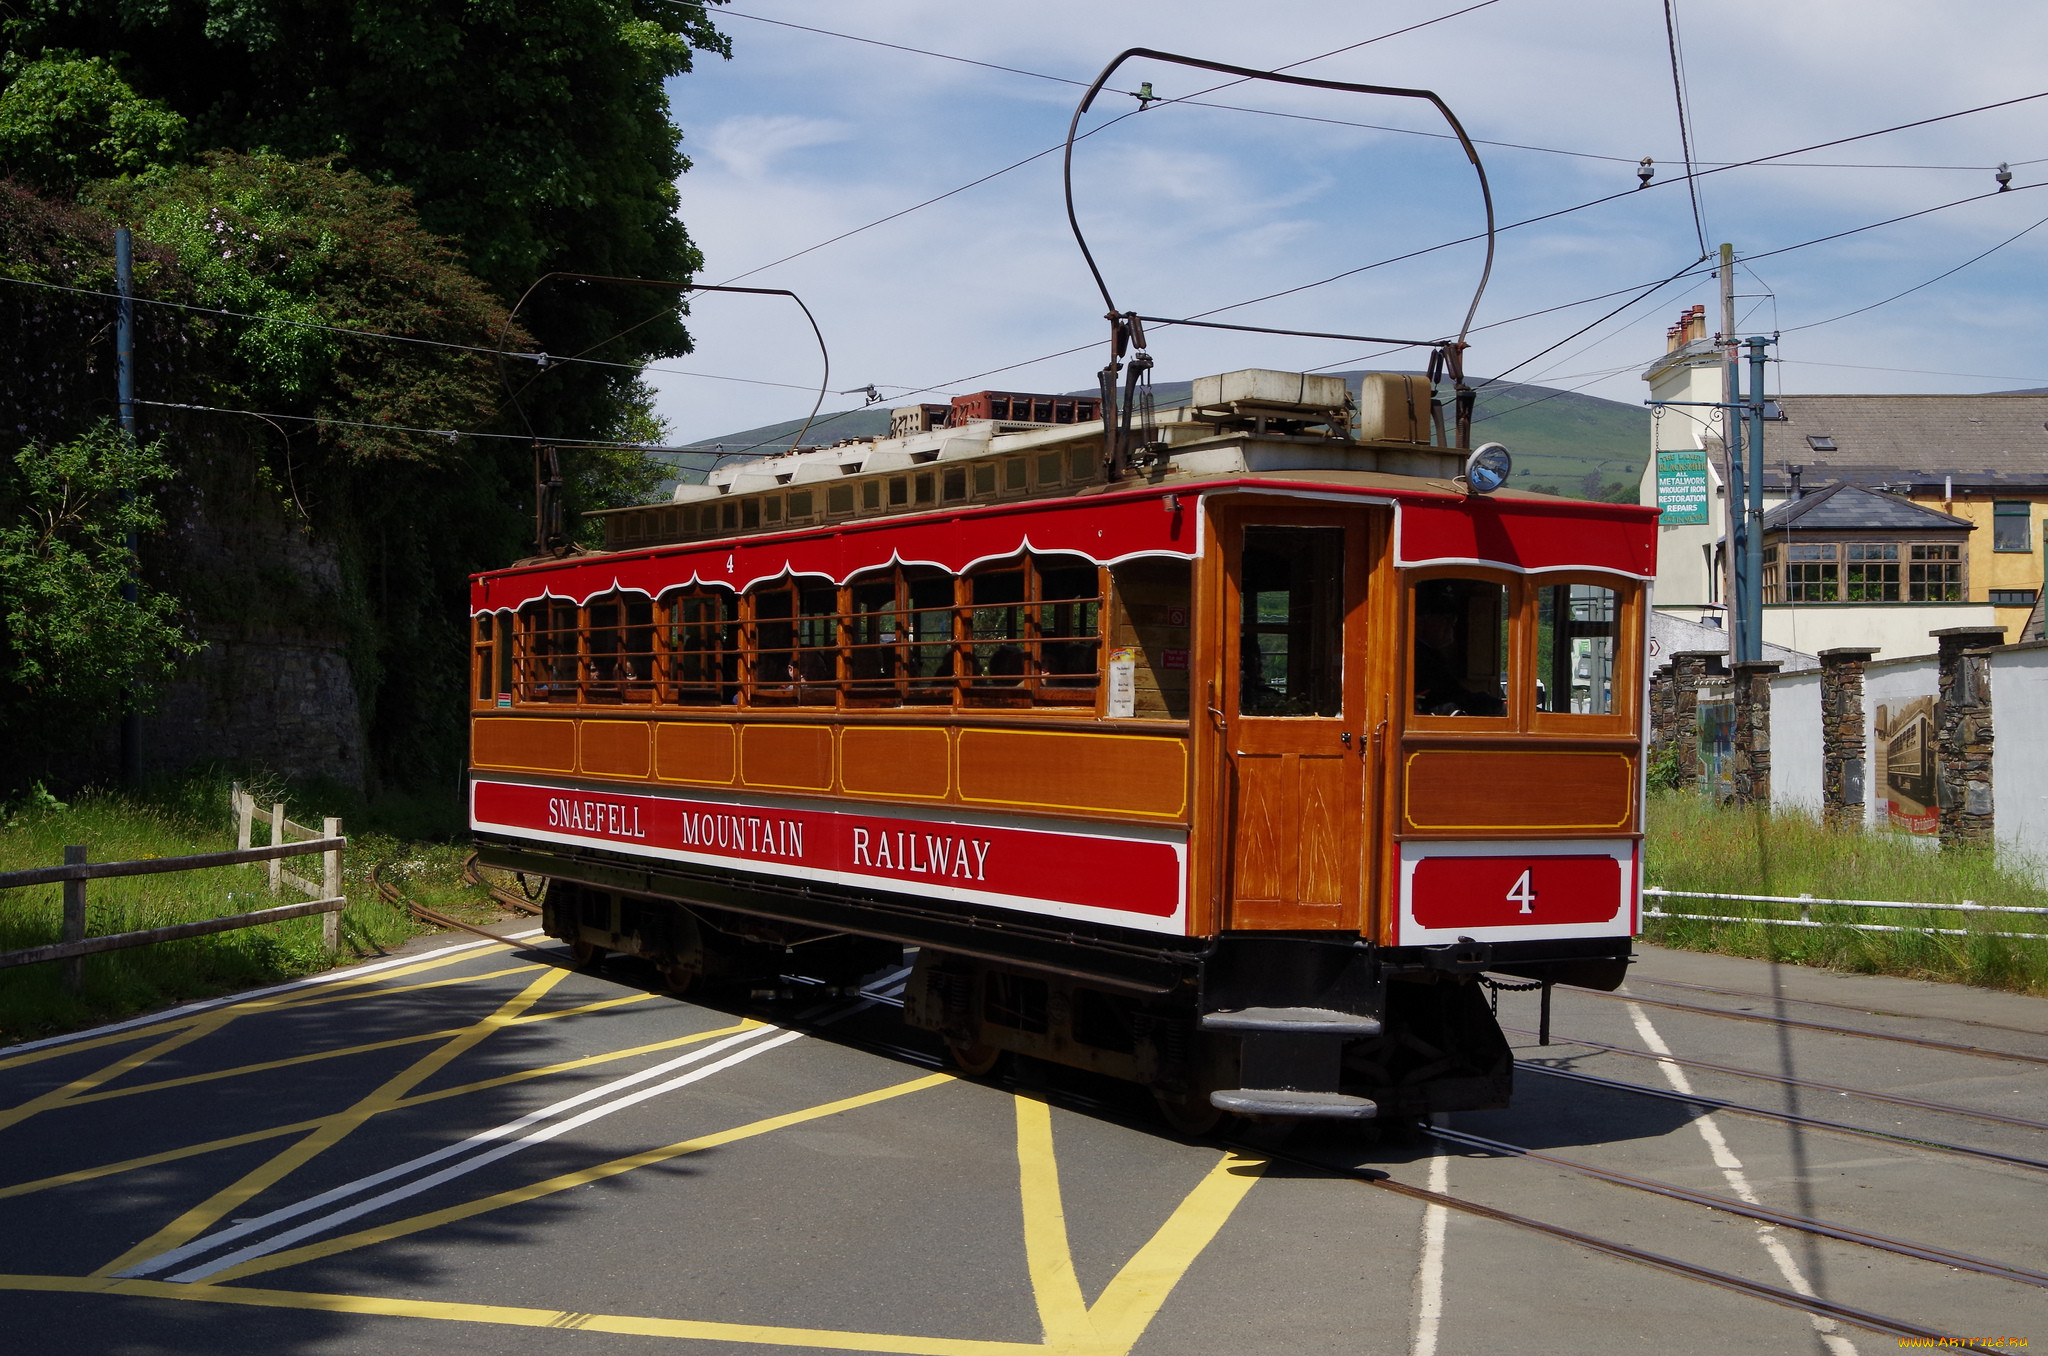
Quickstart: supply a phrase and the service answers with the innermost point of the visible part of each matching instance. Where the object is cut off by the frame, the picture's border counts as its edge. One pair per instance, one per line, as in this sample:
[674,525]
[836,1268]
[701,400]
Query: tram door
[1292,716]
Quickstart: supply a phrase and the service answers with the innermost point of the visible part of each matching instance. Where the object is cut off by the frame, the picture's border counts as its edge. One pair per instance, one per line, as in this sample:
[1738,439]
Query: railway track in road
[1840,1007]
[1923,1042]
[1807,1084]
[1894,1138]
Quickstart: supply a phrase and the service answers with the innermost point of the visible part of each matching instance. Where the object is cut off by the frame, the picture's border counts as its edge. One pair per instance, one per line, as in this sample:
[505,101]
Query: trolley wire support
[550,535]
[1127,327]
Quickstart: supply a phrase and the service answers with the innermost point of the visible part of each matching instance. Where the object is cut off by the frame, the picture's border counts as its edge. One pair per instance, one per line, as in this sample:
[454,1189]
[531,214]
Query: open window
[702,649]
[1459,647]
[545,646]
[618,660]
[1578,649]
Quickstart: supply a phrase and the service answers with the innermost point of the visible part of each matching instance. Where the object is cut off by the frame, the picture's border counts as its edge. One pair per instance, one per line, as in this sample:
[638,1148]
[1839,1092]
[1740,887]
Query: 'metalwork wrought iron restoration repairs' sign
[1682,487]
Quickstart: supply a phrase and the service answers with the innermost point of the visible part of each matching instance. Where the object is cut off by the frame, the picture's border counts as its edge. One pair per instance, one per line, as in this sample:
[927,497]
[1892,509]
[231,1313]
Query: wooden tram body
[1230,778]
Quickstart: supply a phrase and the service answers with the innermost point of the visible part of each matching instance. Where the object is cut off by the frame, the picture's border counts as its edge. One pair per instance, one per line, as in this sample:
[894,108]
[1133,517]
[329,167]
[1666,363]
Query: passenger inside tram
[1460,648]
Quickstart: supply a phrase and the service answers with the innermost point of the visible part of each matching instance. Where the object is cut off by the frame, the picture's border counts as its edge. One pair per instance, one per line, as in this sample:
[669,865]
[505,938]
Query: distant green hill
[1562,441]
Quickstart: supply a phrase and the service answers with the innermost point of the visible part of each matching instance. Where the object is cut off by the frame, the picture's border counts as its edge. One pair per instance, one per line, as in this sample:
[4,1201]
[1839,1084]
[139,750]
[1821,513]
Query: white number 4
[1523,893]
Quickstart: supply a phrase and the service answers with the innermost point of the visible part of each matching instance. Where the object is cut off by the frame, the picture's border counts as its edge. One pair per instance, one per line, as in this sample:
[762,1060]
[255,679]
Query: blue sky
[803,136]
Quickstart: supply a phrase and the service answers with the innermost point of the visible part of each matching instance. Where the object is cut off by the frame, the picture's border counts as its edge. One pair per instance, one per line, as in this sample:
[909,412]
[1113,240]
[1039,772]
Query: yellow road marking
[1131,1301]
[357,995]
[15,1115]
[250,1005]
[582,1177]
[509,1316]
[203,1216]
[342,1051]
[312,1123]
[1061,1310]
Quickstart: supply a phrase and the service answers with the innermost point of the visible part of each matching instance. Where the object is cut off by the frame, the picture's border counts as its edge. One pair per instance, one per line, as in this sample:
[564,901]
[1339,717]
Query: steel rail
[1895,1138]
[1821,1228]
[1924,1042]
[1844,1007]
[1914,1103]
[511,901]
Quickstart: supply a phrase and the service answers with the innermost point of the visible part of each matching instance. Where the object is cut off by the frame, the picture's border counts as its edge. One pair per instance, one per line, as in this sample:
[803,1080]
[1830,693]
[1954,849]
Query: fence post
[244,806]
[1963,723]
[1753,730]
[276,840]
[74,921]
[1843,755]
[330,884]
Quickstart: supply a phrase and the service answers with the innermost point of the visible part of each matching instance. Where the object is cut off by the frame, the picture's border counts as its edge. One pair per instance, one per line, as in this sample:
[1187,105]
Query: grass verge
[1693,845]
[178,819]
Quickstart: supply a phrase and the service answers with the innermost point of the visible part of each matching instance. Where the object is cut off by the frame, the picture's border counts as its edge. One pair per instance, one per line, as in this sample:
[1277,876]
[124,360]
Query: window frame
[1628,678]
[2021,509]
[1515,719]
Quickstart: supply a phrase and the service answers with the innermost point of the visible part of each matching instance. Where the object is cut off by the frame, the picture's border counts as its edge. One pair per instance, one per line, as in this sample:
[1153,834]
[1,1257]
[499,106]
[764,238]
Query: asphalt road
[472,1149]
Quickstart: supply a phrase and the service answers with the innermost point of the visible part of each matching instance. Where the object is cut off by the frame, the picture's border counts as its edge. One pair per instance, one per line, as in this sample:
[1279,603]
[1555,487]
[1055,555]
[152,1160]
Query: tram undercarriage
[1280,1025]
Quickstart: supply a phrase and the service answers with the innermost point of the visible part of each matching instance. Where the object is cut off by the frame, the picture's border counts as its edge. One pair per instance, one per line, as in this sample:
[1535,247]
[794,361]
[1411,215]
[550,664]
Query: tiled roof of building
[1843,507]
[1982,441]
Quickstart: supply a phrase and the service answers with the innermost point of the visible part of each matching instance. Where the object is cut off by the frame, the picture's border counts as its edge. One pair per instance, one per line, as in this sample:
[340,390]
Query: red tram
[1230,774]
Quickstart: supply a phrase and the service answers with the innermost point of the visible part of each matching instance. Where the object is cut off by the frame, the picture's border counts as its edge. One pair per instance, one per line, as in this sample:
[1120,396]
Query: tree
[66,119]
[73,650]
[536,137]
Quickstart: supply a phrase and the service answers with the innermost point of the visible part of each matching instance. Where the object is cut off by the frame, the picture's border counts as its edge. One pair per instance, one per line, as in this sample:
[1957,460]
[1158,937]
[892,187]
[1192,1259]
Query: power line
[1909,371]
[450,434]
[1684,133]
[1813,324]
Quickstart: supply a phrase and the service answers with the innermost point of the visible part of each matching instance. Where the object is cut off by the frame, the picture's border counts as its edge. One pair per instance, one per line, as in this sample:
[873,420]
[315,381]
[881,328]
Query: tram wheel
[976,1061]
[585,954]
[677,978]
[1193,1117]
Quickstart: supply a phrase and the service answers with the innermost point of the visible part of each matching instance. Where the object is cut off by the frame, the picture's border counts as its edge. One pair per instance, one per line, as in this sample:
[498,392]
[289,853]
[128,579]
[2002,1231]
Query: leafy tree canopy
[66,119]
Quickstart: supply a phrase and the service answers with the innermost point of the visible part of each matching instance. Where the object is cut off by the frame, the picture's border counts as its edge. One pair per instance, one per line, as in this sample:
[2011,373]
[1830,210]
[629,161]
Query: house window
[2011,526]
[1870,572]
[2012,597]
[1935,574]
[1810,573]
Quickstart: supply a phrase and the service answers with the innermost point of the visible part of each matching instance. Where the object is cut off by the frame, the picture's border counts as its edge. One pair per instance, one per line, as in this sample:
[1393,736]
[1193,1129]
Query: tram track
[1785,1117]
[1840,1007]
[1923,1042]
[1806,1084]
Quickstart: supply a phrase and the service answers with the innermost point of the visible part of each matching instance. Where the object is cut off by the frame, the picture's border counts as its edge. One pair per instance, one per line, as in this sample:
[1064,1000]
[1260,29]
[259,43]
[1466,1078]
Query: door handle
[1346,737]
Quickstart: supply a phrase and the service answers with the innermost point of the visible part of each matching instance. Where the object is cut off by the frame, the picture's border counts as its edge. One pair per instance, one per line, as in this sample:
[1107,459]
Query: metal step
[1284,1102]
[1292,1022]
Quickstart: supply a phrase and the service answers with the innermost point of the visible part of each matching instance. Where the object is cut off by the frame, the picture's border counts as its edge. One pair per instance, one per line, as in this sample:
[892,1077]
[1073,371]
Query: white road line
[1738,1182]
[209,1242]
[1429,1274]
[334,976]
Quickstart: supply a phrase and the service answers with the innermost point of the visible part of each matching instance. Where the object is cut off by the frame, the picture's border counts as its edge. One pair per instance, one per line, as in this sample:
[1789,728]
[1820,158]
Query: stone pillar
[1688,671]
[1962,728]
[1753,730]
[1844,760]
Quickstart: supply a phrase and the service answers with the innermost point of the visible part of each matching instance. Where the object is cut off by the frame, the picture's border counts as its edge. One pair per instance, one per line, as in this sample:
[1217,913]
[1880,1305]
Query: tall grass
[1694,845]
[177,819]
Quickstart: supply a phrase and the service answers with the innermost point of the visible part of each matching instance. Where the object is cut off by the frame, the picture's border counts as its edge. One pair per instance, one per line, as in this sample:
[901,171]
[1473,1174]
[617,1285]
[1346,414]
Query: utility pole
[1753,622]
[1740,581]
[124,389]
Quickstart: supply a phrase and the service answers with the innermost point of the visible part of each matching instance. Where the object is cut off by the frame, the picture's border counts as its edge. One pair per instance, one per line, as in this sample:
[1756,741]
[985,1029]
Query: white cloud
[748,145]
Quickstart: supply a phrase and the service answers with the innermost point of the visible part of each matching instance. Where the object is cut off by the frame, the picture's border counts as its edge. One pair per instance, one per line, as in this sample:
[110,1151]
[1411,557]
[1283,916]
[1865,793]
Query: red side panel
[1528,536]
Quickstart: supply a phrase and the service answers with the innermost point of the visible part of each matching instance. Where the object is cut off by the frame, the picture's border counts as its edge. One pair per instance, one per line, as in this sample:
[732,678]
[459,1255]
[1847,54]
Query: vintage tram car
[1231,776]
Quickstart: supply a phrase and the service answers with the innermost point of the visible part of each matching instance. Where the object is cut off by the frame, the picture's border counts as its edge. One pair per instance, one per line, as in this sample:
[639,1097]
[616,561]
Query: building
[1968,472]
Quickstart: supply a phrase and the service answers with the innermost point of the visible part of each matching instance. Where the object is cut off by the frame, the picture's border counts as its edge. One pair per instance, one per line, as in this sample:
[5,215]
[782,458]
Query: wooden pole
[74,921]
[276,839]
[244,806]
[330,885]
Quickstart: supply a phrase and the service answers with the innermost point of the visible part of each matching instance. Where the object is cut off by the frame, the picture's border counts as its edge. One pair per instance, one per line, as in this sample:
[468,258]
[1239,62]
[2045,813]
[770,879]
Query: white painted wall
[1892,684]
[1693,373]
[1897,630]
[2019,771]
[1795,741]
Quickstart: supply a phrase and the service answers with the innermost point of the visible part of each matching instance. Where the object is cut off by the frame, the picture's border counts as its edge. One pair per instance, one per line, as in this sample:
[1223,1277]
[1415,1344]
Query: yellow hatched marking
[1061,1310]
[15,1115]
[313,1123]
[331,1131]
[1132,1300]
[509,1316]
[394,1043]
[582,1177]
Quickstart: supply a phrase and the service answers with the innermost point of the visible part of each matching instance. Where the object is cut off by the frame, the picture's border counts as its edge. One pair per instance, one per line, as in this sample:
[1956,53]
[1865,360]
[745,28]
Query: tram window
[998,648]
[544,664]
[1069,631]
[750,513]
[504,655]
[899,491]
[772,508]
[700,649]
[874,633]
[956,484]
[1461,631]
[928,638]
[1048,469]
[728,516]
[619,650]
[839,498]
[1291,627]
[1578,636]
[483,663]
[771,655]
[984,478]
[1081,463]
[1150,623]
[817,646]
[1016,474]
[925,488]
[800,504]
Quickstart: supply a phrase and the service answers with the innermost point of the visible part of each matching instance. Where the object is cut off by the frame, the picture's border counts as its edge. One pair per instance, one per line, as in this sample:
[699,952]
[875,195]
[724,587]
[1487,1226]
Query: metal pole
[1755,556]
[1731,446]
[124,389]
[1743,594]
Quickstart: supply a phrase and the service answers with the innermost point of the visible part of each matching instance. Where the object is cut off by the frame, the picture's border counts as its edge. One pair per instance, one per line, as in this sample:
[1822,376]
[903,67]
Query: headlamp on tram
[1486,470]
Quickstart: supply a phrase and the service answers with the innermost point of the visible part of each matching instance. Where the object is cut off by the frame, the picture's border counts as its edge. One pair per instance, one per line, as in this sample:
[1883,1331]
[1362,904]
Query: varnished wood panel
[1513,790]
[912,762]
[1040,770]
[786,757]
[524,743]
[1266,847]
[1327,811]
[615,748]
[694,751]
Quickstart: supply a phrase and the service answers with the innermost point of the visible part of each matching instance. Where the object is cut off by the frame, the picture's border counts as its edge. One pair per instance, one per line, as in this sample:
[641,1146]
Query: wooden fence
[325,896]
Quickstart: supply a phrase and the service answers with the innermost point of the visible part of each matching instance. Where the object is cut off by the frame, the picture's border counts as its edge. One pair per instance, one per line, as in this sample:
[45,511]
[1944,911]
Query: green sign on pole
[1682,487]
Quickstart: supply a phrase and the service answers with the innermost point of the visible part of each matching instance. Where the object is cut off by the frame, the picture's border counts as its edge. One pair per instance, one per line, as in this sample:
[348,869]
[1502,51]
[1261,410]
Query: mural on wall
[1716,735]
[1905,756]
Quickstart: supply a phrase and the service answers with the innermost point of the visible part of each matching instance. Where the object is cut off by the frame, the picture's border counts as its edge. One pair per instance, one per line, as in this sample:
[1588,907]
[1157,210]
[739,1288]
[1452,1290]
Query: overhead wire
[1684,132]
[1814,324]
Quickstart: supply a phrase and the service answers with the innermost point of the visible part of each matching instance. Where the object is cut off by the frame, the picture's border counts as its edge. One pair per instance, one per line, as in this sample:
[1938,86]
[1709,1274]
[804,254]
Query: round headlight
[1486,470]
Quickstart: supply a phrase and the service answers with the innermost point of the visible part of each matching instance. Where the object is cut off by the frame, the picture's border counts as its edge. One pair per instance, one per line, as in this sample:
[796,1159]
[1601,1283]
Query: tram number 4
[1523,892]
